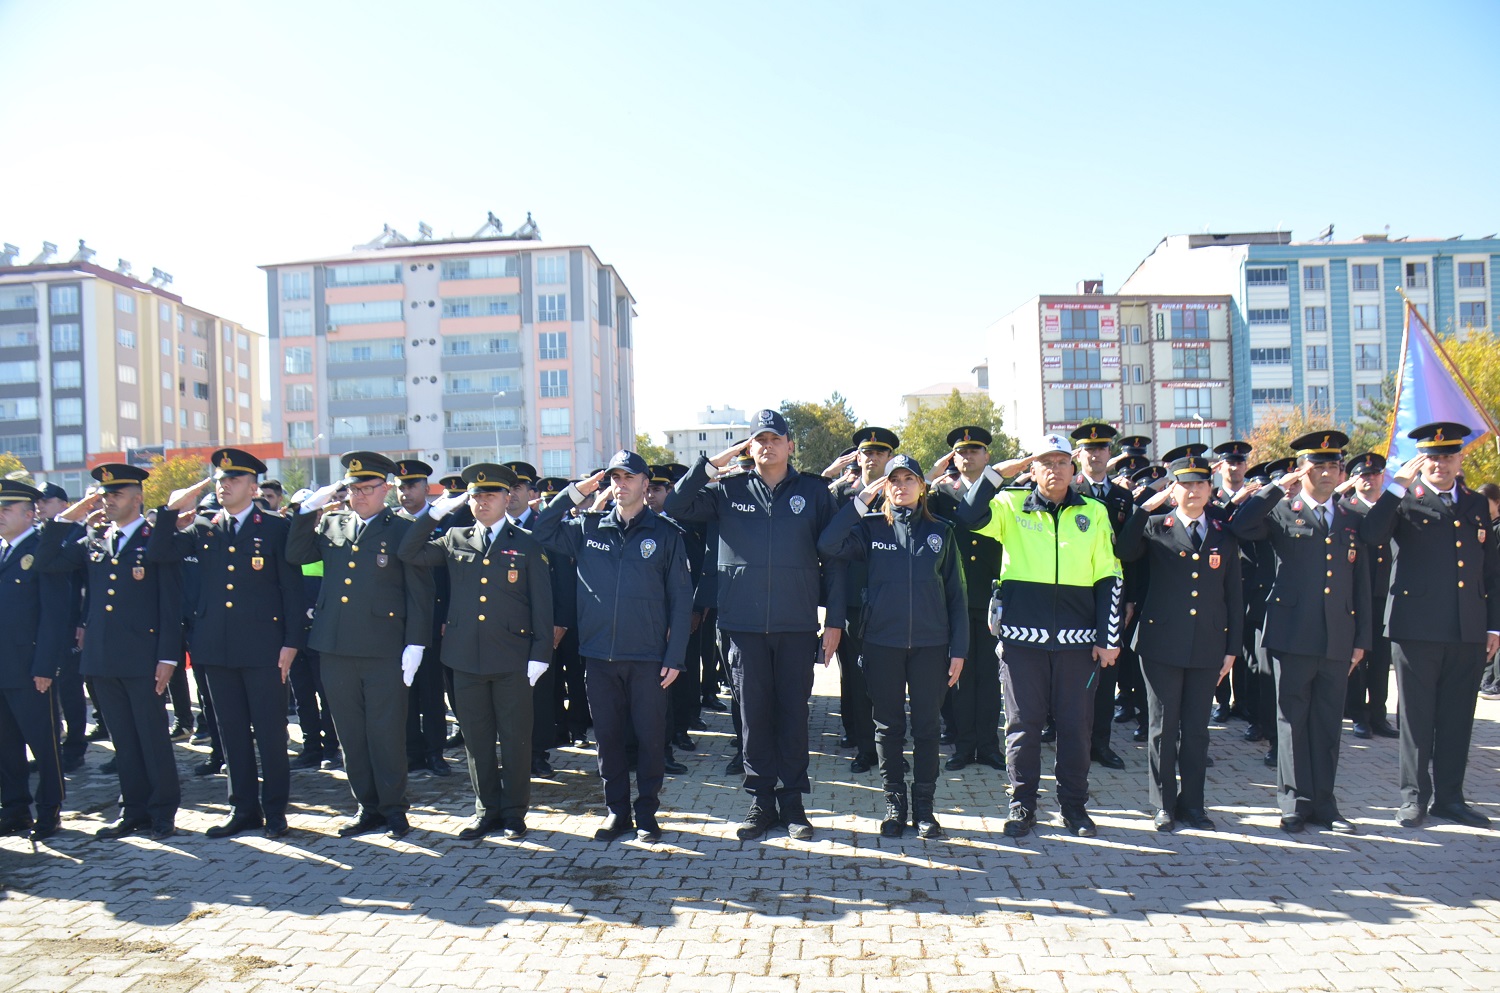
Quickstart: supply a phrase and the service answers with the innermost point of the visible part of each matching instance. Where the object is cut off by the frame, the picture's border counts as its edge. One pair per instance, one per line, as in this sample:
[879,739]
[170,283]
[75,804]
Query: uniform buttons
[110,592]
[228,604]
[973,558]
[343,599]
[1330,556]
[485,562]
[391,614]
[348,581]
[1460,563]
[1195,556]
[108,607]
[483,580]
[1458,524]
[351,565]
[484,599]
[1458,544]
[1460,584]
[1195,575]
[230,568]
[353,548]
[1327,590]
[481,617]
[1195,593]
[229,586]
[111,577]
[1193,612]
[1330,573]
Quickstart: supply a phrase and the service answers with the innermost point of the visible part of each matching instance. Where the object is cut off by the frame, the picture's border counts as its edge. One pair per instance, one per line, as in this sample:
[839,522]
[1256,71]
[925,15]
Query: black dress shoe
[647,830]
[307,760]
[438,766]
[1078,822]
[845,741]
[100,733]
[1049,733]
[235,824]
[455,740]
[615,827]
[124,827]
[110,767]
[181,732]
[1163,821]
[671,765]
[995,760]
[333,759]
[957,762]
[757,821]
[1019,821]
[1293,823]
[1254,733]
[540,767]
[17,823]
[697,724]
[479,827]
[1139,734]
[1220,714]
[1196,818]
[48,823]
[72,763]
[712,703]
[209,767]
[1460,813]
[1361,730]
[1337,825]
[862,762]
[736,765]
[1410,815]
[276,827]
[366,823]
[515,828]
[1124,715]
[1382,729]
[682,741]
[160,830]
[1270,760]
[396,825]
[1107,758]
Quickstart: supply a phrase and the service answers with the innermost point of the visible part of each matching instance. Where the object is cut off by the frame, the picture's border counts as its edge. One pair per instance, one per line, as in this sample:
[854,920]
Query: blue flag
[1426,391]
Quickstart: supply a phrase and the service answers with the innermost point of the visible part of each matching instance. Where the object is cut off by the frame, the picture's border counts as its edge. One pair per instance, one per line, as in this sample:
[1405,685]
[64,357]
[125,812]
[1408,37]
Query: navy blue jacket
[914,594]
[635,588]
[34,615]
[770,578]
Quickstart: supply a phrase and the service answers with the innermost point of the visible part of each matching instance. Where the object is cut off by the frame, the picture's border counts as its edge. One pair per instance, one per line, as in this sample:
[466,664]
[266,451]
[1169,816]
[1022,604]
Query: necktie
[114,543]
[1323,516]
[4,551]
[1197,534]
[1447,499]
[234,526]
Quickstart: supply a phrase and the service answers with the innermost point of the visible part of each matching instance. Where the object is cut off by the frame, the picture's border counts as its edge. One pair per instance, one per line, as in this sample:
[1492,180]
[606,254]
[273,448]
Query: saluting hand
[1411,469]
[868,494]
[1013,466]
[1157,499]
[1246,492]
[837,466]
[589,485]
[446,504]
[321,496]
[940,467]
[186,498]
[729,454]
[83,508]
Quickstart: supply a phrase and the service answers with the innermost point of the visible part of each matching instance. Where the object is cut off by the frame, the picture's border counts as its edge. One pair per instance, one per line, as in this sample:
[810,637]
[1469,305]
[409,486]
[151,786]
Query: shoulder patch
[798,503]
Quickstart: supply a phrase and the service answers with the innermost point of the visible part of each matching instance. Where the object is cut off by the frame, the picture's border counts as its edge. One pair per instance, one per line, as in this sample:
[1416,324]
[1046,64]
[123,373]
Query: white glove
[446,504]
[320,497]
[411,658]
[534,671]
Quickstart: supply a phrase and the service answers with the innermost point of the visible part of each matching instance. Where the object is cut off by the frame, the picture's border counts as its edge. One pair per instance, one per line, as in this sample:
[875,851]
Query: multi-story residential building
[716,430]
[937,394]
[453,351]
[1319,323]
[96,363]
[1153,365]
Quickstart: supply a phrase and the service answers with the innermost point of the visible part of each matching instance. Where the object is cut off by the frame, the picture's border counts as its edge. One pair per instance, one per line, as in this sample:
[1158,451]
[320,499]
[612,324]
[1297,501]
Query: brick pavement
[1241,910]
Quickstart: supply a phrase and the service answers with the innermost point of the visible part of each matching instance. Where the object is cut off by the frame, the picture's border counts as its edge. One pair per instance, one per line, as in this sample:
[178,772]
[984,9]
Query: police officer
[1444,618]
[1369,684]
[426,716]
[635,602]
[132,642]
[34,636]
[246,633]
[975,698]
[770,585]
[370,606]
[498,642]
[1233,697]
[684,707]
[1318,623]
[570,695]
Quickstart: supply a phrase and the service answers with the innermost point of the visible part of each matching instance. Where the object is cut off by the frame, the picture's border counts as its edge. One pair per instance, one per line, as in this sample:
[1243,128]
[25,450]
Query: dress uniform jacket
[371,604]
[979,554]
[34,615]
[500,595]
[1192,613]
[1379,558]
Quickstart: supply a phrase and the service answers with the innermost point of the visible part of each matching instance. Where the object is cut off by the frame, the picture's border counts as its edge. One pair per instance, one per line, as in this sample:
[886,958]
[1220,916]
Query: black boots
[921,812]
[894,824]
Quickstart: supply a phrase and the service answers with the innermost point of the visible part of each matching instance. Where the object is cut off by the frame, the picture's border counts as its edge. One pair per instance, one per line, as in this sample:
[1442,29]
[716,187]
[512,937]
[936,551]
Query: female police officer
[916,628]
[1190,630]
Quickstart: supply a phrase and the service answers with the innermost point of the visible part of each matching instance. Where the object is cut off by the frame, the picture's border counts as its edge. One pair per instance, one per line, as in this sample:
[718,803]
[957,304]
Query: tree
[653,453]
[819,431]
[924,433]
[10,463]
[1280,426]
[1372,423]
[1478,360]
[168,474]
[294,476]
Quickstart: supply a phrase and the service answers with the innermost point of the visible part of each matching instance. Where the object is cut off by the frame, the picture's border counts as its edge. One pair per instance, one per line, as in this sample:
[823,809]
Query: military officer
[370,605]
[1233,695]
[34,633]
[426,716]
[132,642]
[1318,623]
[569,695]
[1444,617]
[544,730]
[1257,573]
[1369,684]
[499,638]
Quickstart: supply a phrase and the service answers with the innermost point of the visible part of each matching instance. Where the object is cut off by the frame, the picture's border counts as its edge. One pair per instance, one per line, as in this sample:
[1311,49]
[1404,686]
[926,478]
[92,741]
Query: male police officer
[770,585]
[370,605]
[34,634]
[426,717]
[132,642]
[1369,684]
[498,642]
[635,602]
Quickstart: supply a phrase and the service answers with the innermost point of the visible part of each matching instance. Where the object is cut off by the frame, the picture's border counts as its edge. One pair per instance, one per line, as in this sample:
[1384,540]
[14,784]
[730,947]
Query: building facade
[453,351]
[97,365]
[716,430]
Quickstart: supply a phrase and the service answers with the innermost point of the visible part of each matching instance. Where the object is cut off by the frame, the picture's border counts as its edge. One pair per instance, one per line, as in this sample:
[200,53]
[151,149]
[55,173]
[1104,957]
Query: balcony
[1471,282]
[1416,282]
[1368,285]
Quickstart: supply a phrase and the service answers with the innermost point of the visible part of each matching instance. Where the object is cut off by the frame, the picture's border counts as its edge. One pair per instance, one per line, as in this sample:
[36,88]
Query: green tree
[924,433]
[10,463]
[172,473]
[294,475]
[1477,357]
[653,453]
[1372,423]
[1272,438]
[819,431]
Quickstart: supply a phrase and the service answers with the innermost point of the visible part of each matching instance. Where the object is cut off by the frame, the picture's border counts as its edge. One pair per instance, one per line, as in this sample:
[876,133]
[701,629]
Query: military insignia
[355,465]
[1213,560]
[1481,541]
[1352,554]
[382,560]
[935,542]
[256,518]
[1169,520]
[105,476]
[257,563]
[513,575]
[1301,523]
[226,463]
[647,547]
[1297,506]
[1421,493]
[138,572]
[798,502]
[1082,520]
[26,560]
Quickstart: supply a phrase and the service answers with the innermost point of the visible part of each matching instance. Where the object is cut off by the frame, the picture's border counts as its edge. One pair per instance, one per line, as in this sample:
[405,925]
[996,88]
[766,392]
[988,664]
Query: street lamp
[495,414]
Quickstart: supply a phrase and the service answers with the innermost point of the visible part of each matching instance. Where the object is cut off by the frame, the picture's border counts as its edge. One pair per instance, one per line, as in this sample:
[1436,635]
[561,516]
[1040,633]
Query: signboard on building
[1091,384]
[1187,306]
[1190,425]
[1051,361]
[1078,344]
[1190,384]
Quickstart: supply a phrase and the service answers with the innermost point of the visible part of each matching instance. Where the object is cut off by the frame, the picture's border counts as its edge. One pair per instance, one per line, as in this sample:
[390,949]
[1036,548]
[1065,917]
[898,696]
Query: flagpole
[1458,376]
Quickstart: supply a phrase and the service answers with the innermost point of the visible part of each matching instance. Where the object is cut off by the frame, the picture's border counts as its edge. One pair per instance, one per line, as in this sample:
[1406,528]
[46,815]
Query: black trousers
[496,708]
[1036,681]
[26,722]
[369,709]
[182,700]
[1309,721]
[892,674]
[1438,683]
[1369,683]
[210,719]
[426,713]
[975,698]
[250,706]
[628,702]
[570,692]
[1263,672]
[543,731]
[1130,684]
[685,691]
[71,707]
[318,735]
[706,650]
[1179,700]
[854,694]
[143,746]
[773,677]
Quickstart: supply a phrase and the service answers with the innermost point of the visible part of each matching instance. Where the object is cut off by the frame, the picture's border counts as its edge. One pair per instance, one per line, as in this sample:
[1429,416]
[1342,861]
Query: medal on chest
[257,560]
[381,558]
[1214,559]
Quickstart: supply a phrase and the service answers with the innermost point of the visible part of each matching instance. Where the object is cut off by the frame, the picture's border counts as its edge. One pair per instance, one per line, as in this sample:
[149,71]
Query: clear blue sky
[802,196]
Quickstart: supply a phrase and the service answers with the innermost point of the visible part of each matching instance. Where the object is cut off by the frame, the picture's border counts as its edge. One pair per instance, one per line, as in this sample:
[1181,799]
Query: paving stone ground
[1245,909]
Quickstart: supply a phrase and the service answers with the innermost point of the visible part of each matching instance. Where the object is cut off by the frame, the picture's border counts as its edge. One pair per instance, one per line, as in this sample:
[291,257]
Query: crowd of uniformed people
[990,608]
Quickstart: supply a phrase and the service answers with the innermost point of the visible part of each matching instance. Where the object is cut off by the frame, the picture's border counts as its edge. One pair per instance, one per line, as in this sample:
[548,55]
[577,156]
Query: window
[17,298]
[1312,277]
[244,429]
[554,382]
[1315,318]
[1470,274]
[125,303]
[167,415]
[556,423]
[1317,398]
[1367,357]
[1192,400]
[166,380]
[229,425]
[124,338]
[1138,373]
[200,391]
[551,269]
[373,312]
[552,345]
[1364,393]
[129,411]
[1270,396]
[299,396]
[64,300]
[164,313]
[367,388]
[65,375]
[295,286]
[25,446]
[197,327]
[1317,356]
[244,398]
[1079,405]
[67,412]
[1422,312]
[557,462]
[200,420]
[66,338]
[364,275]
[480,382]
[1189,324]
[298,361]
[17,335]
[299,434]
[1366,316]
[552,307]
[481,306]
[370,350]
[1274,315]
[1079,325]
[369,424]
[1135,334]
[481,344]
[1190,363]
[1270,356]
[200,359]
[229,396]
[241,340]
[1140,413]
[69,449]
[166,348]
[1416,275]
[243,370]
[483,419]
[488,267]
[1364,277]
[18,409]
[1275,276]
[228,364]
[1471,315]
[1190,436]
[181,354]
[296,323]
[1080,363]
[182,417]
